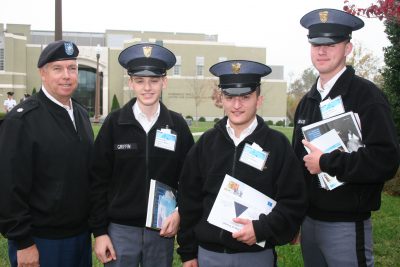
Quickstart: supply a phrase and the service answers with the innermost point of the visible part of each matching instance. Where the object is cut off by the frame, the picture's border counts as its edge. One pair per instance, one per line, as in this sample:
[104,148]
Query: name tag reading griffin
[254,156]
[165,139]
[125,146]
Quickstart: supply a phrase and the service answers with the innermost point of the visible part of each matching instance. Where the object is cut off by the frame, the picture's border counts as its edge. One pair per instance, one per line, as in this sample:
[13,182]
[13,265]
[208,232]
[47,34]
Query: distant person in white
[10,102]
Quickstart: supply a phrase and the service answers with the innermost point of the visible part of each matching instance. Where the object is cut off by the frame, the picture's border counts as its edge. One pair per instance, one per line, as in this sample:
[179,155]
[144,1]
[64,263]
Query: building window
[220,59]
[200,66]
[178,66]
[1,58]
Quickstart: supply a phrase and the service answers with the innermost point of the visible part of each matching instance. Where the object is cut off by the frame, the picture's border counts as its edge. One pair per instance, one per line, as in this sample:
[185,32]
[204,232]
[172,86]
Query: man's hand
[28,257]
[104,249]
[246,234]
[191,263]
[312,159]
[170,225]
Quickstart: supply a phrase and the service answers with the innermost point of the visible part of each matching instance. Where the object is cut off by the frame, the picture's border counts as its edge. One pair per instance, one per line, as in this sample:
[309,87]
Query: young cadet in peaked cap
[221,151]
[129,153]
[337,230]
[51,135]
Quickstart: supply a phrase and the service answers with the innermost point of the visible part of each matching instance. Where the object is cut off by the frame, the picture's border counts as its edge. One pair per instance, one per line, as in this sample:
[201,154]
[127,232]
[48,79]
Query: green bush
[2,115]
[202,119]
[269,122]
[216,120]
[291,124]
[392,187]
[34,90]
[115,103]
[280,123]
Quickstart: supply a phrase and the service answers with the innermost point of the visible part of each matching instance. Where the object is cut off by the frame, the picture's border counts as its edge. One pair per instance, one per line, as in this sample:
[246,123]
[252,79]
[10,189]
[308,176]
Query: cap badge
[236,68]
[69,48]
[323,16]
[147,51]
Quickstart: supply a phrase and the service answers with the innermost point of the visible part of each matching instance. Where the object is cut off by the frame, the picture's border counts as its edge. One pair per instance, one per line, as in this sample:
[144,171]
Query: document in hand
[162,202]
[346,125]
[236,199]
[328,142]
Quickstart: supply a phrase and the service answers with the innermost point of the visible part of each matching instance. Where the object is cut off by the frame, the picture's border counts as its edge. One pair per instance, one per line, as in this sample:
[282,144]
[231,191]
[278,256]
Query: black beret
[147,59]
[330,26]
[239,77]
[58,50]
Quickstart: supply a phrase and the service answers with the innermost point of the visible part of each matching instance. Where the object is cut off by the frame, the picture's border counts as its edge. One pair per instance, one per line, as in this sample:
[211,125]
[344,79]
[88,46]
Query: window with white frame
[1,58]
[178,66]
[200,66]
[1,52]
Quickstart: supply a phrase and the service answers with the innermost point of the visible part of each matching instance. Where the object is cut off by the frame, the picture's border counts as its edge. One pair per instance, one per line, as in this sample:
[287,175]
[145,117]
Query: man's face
[60,78]
[330,59]
[241,110]
[147,89]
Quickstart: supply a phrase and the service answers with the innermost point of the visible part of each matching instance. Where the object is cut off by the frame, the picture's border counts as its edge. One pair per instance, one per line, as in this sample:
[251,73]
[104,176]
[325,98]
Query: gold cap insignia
[323,16]
[236,68]
[147,51]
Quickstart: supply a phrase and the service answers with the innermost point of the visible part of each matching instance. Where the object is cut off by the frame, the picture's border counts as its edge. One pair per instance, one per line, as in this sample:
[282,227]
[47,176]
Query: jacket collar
[126,116]
[221,126]
[341,87]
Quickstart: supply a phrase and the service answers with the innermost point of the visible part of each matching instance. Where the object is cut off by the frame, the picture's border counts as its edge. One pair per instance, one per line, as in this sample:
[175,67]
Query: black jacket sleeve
[15,182]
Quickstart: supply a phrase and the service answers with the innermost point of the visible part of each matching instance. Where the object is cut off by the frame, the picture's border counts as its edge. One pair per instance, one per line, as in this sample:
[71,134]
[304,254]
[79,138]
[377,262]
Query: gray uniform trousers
[344,244]
[137,245]
[265,258]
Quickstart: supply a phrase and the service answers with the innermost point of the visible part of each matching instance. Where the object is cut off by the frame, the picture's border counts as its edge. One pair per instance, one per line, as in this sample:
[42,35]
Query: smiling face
[330,59]
[147,89]
[241,110]
[60,78]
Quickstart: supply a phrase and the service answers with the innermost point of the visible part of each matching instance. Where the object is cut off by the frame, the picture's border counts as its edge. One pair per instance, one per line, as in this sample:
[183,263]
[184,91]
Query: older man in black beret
[46,143]
[337,230]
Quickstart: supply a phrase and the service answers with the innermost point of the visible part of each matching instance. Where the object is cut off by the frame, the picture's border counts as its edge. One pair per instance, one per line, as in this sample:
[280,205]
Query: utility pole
[58,21]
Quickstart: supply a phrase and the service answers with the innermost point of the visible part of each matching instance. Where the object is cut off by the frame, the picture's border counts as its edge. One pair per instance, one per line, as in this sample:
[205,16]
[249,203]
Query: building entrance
[85,93]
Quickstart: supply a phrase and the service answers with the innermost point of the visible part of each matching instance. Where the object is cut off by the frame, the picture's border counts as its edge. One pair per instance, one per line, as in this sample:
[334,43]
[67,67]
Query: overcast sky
[260,23]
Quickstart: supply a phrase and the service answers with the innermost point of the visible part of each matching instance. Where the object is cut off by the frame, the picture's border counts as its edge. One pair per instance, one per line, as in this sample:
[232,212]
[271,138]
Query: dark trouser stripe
[360,244]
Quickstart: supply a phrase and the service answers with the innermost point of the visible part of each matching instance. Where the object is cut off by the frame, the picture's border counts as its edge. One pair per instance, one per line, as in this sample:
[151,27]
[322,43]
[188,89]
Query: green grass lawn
[386,232]
[385,225]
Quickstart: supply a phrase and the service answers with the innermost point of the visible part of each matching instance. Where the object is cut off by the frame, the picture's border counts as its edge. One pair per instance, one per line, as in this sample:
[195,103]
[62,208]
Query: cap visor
[326,40]
[146,73]
[237,91]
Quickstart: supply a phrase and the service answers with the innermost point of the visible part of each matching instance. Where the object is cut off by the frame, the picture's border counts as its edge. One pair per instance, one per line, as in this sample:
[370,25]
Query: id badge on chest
[331,107]
[254,156]
[165,139]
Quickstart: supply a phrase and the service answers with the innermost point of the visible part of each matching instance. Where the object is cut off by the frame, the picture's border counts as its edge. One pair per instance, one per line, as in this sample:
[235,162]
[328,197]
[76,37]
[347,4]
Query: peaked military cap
[330,26]
[58,50]
[147,59]
[239,77]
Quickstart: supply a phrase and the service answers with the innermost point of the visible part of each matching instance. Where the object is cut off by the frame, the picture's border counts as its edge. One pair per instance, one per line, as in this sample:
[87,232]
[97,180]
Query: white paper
[236,199]
[327,143]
